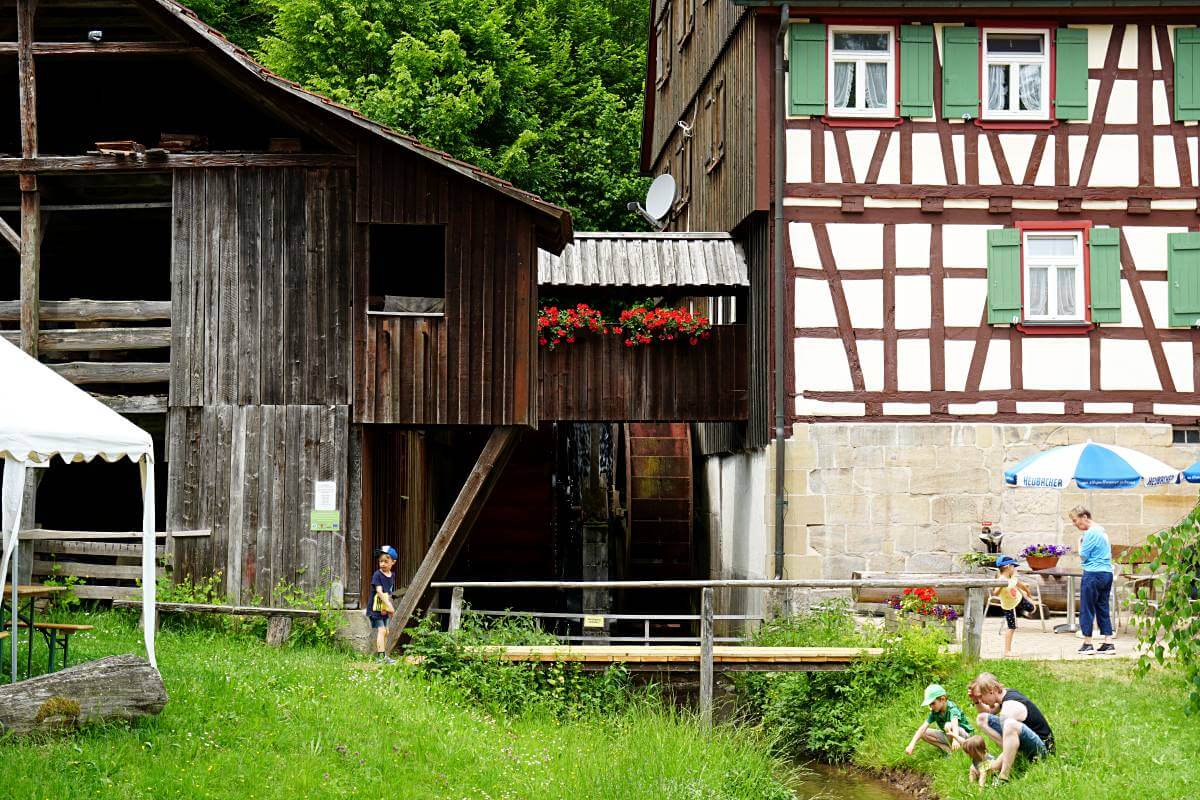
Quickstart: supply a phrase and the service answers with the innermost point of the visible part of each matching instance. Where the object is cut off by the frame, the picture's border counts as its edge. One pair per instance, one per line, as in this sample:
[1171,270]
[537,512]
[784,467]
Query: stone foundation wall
[911,497]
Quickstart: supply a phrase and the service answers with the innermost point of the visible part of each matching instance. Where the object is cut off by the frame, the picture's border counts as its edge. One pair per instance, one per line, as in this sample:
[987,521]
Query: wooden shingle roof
[646,259]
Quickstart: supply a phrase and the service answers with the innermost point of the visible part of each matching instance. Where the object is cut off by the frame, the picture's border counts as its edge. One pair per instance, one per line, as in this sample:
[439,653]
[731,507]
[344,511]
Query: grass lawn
[1117,736]
[246,722]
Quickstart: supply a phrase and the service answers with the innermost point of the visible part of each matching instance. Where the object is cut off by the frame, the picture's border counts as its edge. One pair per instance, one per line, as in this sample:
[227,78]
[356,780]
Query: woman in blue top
[1096,554]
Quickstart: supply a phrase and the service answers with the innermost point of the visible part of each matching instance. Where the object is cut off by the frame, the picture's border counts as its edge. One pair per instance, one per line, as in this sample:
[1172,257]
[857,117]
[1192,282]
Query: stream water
[823,782]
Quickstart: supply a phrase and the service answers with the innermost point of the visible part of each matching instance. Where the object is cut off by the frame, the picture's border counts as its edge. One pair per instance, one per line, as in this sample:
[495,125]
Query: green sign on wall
[325,520]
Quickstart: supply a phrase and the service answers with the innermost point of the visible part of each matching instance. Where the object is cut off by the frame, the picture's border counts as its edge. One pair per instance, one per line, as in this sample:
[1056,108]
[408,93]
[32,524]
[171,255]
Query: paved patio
[1031,644]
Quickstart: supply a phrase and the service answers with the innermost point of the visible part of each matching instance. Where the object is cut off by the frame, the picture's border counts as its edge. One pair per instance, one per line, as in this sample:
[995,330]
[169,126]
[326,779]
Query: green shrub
[821,713]
[560,689]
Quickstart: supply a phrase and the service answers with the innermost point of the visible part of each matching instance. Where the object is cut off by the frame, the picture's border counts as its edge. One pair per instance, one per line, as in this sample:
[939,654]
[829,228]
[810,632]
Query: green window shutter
[916,70]
[1183,278]
[1004,276]
[1071,73]
[960,72]
[806,69]
[1104,261]
[1187,74]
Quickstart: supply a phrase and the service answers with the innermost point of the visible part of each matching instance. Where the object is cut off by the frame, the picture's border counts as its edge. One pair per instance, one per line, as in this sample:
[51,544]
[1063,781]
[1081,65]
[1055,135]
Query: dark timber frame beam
[102,48]
[445,546]
[31,239]
[98,163]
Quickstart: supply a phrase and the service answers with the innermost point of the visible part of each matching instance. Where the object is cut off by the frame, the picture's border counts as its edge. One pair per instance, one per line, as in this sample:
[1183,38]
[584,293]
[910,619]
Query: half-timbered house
[988,234]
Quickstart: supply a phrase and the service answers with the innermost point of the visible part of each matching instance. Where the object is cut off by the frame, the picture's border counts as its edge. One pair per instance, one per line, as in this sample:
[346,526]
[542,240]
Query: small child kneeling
[946,727]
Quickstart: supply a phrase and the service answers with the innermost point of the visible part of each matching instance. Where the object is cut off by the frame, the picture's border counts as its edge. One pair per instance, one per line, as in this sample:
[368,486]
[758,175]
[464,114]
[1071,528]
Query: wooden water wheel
[658,473]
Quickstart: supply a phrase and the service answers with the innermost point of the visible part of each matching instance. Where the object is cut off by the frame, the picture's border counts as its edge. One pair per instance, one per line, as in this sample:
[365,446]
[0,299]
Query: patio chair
[1035,588]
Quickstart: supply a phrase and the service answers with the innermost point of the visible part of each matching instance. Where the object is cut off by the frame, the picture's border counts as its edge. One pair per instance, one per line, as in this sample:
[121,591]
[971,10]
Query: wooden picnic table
[28,593]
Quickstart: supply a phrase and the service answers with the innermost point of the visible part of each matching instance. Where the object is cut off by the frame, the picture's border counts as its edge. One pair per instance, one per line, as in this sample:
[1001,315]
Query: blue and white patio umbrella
[1192,473]
[1091,466]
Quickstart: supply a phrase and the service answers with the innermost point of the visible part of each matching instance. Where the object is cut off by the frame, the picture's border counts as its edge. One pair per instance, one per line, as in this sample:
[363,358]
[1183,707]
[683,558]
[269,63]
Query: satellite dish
[661,196]
[659,200]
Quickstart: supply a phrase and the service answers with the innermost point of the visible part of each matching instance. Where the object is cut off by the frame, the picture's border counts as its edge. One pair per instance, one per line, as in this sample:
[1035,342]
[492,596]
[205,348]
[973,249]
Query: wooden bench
[279,620]
[59,634]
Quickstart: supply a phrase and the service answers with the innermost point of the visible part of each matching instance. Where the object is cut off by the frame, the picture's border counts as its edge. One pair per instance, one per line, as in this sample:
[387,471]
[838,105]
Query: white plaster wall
[1156,298]
[806,407]
[958,363]
[1097,43]
[870,358]
[1179,359]
[889,171]
[1148,245]
[1056,363]
[804,246]
[862,147]
[1116,161]
[965,245]
[814,304]
[928,169]
[1127,364]
[989,174]
[1129,49]
[1162,110]
[996,375]
[912,365]
[865,301]
[1166,165]
[1122,103]
[833,169]
[821,365]
[1075,147]
[963,302]
[912,245]
[799,156]
[1018,147]
[912,302]
[856,246]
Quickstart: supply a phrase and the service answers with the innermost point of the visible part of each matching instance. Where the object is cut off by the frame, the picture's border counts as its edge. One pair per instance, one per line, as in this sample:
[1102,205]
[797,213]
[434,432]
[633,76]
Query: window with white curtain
[862,72]
[1016,74]
[1054,276]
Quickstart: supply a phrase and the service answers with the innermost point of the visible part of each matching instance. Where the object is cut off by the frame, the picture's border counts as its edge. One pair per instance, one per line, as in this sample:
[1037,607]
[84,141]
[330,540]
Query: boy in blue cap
[380,607]
[1014,598]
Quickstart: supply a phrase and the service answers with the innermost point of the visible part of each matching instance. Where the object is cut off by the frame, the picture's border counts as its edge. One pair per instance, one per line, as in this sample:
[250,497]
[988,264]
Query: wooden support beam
[113,372]
[456,608]
[42,535]
[706,656]
[94,206]
[67,340]
[11,236]
[99,163]
[135,403]
[92,310]
[27,85]
[973,624]
[475,491]
[31,264]
[102,49]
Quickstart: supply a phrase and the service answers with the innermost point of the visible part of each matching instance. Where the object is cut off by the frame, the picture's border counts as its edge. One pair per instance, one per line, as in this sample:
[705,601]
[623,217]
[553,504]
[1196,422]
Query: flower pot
[1042,562]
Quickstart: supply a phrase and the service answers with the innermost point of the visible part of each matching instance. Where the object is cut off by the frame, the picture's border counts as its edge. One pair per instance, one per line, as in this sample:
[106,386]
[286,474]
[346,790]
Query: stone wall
[910,497]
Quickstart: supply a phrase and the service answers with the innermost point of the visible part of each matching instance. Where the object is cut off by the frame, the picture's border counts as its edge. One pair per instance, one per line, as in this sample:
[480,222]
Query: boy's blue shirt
[1095,551]
[388,582]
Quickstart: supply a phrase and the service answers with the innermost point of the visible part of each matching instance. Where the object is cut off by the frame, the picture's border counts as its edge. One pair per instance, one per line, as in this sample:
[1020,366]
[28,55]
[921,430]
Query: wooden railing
[973,615]
[598,378]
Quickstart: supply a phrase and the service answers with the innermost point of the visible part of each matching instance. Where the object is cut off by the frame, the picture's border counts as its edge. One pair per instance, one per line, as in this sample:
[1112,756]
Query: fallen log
[115,688]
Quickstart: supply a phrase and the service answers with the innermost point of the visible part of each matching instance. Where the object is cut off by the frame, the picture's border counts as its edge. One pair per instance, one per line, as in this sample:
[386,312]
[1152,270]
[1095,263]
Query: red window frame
[1083,227]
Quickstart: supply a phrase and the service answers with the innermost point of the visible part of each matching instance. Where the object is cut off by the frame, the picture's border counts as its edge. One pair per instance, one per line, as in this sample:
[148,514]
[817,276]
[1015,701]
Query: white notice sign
[325,495]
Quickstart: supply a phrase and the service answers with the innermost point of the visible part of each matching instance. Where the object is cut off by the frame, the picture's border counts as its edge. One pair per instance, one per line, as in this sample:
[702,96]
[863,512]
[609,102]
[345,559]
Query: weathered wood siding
[261,286]
[598,378]
[397,500]
[477,364]
[719,197]
[247,472]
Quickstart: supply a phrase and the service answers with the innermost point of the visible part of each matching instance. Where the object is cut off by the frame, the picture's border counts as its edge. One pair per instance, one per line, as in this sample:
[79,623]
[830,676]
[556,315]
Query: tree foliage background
[544,93]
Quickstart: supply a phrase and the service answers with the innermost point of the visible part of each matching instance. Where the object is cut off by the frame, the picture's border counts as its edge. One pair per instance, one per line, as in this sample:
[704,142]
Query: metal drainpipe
[780,415]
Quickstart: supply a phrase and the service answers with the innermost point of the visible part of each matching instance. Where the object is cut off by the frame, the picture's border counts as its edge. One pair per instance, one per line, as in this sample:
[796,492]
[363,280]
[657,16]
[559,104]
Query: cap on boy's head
[1005,561]
[389,551]
[932,692]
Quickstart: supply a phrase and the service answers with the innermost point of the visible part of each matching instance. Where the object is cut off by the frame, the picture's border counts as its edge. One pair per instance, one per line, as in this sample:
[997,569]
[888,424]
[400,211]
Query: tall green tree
[544,93]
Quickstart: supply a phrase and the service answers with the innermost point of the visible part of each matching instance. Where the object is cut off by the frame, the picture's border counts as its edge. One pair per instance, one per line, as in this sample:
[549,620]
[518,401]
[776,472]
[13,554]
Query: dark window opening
[408,269]
[1185,435]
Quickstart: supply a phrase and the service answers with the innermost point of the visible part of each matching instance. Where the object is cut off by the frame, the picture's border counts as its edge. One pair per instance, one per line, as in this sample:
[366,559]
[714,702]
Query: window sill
[1056,328]
[1016,124]
[371,313]
[861,122]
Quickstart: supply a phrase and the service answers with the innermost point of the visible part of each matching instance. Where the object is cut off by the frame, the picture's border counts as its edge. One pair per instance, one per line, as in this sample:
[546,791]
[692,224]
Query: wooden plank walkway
[687,658]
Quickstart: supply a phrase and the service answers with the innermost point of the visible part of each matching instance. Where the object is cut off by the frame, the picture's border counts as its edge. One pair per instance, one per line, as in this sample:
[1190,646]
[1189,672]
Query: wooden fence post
[706,656]
[973,624]
[456,603]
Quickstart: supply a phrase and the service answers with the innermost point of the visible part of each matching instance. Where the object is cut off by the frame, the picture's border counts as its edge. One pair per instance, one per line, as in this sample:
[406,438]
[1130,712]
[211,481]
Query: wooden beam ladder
[458,524]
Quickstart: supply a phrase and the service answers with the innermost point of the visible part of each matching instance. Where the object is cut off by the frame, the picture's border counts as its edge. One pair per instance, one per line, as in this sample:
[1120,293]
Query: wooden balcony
[598,378]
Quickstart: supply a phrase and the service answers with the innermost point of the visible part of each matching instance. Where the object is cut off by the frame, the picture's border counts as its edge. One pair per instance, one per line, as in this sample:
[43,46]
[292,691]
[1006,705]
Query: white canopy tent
[43,415]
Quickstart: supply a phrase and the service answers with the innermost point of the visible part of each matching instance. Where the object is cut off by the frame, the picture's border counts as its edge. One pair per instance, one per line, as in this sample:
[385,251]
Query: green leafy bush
[1169,621]
[821,713]
[505,687]
[61,603]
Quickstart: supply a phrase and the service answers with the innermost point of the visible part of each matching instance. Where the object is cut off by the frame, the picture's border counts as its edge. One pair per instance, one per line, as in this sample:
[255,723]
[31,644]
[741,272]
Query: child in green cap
[946,727]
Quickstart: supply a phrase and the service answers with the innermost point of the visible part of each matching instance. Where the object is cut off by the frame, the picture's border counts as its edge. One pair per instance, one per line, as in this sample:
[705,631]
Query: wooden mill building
[287,294]
[987,214]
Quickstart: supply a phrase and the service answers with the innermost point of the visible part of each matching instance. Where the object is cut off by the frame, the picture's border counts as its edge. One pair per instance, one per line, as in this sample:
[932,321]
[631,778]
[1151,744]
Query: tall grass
[250,722]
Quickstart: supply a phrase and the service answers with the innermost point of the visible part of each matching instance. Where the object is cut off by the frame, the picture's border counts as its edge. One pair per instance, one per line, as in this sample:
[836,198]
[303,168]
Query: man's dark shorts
[1032,746]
